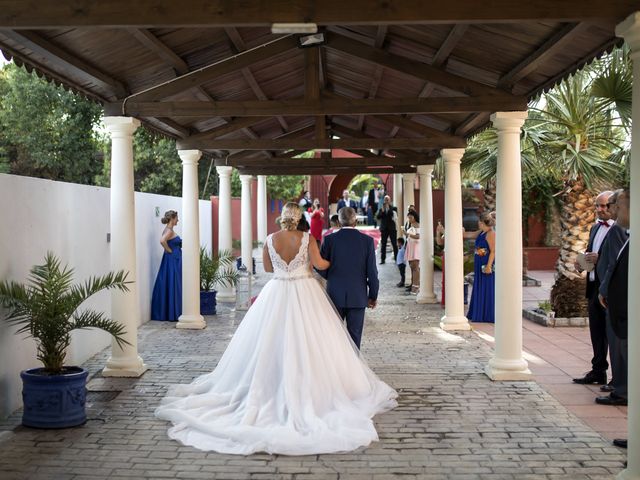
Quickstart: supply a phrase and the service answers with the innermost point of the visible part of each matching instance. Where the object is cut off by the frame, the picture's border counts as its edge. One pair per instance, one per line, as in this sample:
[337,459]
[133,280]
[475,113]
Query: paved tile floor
[452,421]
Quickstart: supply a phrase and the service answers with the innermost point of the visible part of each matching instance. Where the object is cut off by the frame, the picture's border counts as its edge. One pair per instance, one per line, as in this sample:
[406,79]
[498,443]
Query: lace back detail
[301,259]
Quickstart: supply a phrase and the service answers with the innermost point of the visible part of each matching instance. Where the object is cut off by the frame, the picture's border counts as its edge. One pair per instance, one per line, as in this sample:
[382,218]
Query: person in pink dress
[413,250]
[317,220]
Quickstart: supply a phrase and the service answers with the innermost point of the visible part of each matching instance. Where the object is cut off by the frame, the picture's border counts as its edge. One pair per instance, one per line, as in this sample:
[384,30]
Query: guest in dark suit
[346,202]
[611,246]
[388,229]
[617,294]
[597,313]
[372,205]
[352,278]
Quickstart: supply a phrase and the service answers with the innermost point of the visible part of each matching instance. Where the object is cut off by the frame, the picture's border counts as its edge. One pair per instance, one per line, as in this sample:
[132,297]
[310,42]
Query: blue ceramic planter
[54,401]
[208,303]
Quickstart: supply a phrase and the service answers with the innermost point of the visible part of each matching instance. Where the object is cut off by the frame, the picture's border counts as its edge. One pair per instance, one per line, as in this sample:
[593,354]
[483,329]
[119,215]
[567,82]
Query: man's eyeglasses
[610,203]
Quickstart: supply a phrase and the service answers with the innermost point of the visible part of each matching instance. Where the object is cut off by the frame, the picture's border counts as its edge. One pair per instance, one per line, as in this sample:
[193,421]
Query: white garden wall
[73,222]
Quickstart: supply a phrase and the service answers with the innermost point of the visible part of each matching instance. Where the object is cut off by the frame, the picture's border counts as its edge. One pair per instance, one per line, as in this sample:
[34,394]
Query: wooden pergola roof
[404,78]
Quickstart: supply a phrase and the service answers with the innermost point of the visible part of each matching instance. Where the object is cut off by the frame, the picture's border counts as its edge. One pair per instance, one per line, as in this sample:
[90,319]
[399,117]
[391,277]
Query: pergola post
[630,30]
[125,306]
[426,294]
[397,199]
[190,318]
[507,362]
[454,318]
[262,208]
[225,242]
[246,233]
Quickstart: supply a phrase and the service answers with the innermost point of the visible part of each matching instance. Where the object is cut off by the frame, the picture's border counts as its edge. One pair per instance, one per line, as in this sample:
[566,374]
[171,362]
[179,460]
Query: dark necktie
[603,223]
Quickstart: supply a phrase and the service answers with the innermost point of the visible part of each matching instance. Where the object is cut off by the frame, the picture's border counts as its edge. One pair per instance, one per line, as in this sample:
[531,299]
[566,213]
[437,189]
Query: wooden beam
[181,130]
[210,72]
[211,13]
[550,47]
[443,53]
[472,123]
[407,124]
[153,43]
[310,144]
[66,61]
[346,106]
[335,161]
[232,126]
[323,170]
[410,67]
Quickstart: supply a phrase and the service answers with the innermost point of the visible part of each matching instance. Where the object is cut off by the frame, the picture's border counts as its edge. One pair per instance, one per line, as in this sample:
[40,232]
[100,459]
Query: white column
[190,318]
[426,294]
[125,306]
[507,362]
[630,30]
[397,199]
[225,242]
[262,208]
[454,318]
[246,234]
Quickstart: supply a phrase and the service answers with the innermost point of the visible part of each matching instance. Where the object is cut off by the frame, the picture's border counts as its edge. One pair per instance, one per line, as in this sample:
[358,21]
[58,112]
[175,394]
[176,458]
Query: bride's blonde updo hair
[290,216]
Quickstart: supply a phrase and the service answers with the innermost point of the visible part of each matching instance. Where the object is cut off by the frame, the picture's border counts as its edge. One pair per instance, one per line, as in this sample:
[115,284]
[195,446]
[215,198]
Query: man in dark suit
[609,251]
[346,202]
[597,313]
[617,295]
[388,229]
[372,204]
[352,278]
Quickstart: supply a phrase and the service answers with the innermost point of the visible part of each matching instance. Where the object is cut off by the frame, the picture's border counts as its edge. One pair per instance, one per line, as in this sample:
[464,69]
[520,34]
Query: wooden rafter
[327,170]
[155,45]
[347,162]
[67,60]
[324,106]
[208,13]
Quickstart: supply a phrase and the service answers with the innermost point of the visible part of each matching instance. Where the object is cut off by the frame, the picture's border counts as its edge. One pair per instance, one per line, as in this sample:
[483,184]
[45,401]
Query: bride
[291,381]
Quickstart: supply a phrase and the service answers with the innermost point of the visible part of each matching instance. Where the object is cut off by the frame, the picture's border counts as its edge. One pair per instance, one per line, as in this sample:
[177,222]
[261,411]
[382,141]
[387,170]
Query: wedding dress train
[290,382]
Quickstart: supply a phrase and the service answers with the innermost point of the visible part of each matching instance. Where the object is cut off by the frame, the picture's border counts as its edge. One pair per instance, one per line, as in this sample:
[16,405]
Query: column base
[191,322]
[508,370]
[426,298]
[226,295]
[454,323]
[123,368]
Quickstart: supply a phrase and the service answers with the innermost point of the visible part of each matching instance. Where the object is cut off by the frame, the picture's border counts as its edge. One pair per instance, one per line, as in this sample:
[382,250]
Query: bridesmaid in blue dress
[482,304]
[166,302]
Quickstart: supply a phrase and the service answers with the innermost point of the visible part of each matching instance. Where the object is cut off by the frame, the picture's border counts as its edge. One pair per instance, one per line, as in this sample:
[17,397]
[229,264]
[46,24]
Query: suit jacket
[609,250]
[372,200]
[593,286]
[618,293]
[352,204]
[352,278]
[387,221]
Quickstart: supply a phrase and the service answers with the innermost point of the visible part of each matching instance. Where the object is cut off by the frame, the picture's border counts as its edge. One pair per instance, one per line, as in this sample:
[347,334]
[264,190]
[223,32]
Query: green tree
[46,131]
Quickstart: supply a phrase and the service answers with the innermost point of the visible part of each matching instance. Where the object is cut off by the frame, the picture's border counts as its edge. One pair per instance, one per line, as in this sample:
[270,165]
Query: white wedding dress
[290,382]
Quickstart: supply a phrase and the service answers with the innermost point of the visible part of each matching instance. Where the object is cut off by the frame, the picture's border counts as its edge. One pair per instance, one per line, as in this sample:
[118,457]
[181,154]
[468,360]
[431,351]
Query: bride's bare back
[287,243]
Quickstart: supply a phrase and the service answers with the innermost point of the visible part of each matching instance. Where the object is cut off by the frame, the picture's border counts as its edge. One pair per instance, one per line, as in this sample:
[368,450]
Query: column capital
[452,155]
[224,171]
[121,126]
[408,177]
[246,178]
[189,157]
[629,29]
[509,121]
[425,169]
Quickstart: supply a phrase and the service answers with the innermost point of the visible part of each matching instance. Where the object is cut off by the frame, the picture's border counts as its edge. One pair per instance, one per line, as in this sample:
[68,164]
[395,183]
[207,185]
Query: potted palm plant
[46,308]
[215,270]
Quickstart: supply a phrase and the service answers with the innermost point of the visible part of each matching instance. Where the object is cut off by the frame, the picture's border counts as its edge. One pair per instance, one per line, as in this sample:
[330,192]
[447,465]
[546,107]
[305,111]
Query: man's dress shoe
[592,377]
[606,388]
[611,399]
[620,442]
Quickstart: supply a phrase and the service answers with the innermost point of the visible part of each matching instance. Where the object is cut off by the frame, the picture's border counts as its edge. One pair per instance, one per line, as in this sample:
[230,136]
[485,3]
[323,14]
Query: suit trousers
[618,363]
[354,318]
[624,356]
[391,235]
[598,331]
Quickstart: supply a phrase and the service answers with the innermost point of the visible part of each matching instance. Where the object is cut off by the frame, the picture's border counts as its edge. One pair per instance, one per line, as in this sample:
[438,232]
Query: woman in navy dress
[166,302]
[482,304]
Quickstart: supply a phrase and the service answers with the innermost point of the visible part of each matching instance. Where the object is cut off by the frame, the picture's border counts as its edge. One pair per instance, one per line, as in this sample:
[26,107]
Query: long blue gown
[166,302]
[482,304]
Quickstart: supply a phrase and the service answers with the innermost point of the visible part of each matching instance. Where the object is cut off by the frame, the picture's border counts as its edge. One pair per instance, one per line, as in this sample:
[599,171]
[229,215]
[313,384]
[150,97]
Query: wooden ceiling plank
[66,60]
[550,47]
[210,72]
[279,161]
[410,67]
[325,170]
[443,53]
[181,130]
[155,45]
[407,124]
[472,122]
[381,34]
[211,13]
[323,106]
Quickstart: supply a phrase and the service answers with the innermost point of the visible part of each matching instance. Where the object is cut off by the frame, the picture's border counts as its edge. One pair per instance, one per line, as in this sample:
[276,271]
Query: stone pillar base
[498,374]
[191,322]
[426,299]
[454,323]
[627,475]
[134,368]
[226,297]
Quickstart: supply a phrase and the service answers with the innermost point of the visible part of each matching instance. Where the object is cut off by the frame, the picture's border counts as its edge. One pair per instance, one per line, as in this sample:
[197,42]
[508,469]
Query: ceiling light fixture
[294,28]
